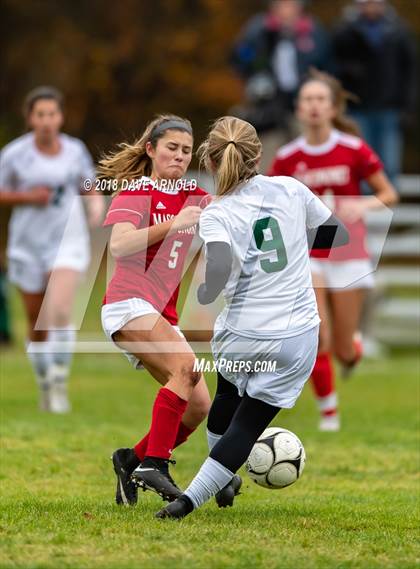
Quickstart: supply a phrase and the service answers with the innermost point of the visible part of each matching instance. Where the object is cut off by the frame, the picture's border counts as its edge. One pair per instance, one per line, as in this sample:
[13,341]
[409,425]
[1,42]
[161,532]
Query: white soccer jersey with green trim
[36,230]
[269,293]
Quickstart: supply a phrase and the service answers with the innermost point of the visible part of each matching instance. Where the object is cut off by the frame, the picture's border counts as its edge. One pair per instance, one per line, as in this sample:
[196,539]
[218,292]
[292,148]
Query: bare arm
[382,188]
[352,209]
[127,240]
[95,208]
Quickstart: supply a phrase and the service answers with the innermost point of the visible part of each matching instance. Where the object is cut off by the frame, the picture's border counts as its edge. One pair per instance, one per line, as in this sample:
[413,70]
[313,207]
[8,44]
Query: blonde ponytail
[232,151]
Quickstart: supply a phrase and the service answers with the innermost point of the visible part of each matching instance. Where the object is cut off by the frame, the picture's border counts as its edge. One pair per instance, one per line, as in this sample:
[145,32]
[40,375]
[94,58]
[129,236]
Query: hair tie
[232,142]
[168,124]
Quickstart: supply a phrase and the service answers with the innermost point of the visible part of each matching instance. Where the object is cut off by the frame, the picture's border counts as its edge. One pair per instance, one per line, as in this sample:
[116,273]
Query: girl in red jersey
[332,161]
[153,223]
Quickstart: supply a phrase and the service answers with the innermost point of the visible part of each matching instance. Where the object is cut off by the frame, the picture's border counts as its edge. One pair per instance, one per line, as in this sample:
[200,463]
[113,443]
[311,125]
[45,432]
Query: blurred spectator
[272,54]
[375,59]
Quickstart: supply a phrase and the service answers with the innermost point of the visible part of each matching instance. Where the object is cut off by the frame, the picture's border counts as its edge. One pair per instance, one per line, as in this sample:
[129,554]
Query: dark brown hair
[40,93]
[131,161]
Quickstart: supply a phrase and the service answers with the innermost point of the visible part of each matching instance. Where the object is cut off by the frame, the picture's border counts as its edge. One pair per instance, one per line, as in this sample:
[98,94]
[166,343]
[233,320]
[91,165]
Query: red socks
[141,447]
[324,384]
[166,431]
[183,433]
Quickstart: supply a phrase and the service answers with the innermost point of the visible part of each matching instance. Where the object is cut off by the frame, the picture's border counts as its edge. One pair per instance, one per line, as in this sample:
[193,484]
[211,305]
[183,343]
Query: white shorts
[294,359]
[31,273]
[346,275]
[115,316]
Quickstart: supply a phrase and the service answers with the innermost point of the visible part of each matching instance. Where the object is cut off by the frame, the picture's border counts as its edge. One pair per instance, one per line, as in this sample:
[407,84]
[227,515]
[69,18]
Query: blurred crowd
[370,50]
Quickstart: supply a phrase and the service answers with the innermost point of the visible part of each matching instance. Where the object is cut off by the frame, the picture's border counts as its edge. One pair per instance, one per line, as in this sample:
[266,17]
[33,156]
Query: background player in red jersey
[152,229]
[332,161]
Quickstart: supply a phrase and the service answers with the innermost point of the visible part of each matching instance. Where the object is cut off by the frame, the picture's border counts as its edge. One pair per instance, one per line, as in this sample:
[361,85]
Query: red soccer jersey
[153,274]
[334,170]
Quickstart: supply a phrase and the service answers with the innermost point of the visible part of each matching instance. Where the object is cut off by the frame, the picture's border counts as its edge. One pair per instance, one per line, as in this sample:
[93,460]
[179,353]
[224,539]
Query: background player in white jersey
[257,250]
[333,161]
[41,175]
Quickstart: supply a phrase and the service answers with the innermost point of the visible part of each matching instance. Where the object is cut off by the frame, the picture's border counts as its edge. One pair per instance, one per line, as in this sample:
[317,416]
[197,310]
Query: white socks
[62,345]
[211,478]
[40,358]
[51,363]
[212,439]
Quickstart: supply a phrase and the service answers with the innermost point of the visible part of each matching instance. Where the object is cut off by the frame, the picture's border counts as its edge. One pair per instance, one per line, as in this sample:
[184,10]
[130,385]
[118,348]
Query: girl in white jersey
[41,176]
[257,251]
[333,161]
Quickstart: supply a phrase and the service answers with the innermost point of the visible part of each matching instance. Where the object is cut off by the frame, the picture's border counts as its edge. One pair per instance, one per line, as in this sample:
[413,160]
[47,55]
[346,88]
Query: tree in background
[120,63]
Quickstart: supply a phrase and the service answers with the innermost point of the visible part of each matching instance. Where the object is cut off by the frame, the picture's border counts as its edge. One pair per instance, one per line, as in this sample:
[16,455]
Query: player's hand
[38,195]
[351,210]
[187,217]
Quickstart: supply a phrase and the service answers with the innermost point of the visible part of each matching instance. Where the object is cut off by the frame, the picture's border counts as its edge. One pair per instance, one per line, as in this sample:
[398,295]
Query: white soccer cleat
[329,423]
[59,402]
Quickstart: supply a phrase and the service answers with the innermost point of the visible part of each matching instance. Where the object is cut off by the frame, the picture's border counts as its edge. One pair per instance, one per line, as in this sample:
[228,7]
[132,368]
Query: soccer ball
[277,459]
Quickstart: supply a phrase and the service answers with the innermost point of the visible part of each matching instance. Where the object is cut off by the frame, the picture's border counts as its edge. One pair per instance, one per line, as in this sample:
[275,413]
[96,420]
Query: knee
[186,373]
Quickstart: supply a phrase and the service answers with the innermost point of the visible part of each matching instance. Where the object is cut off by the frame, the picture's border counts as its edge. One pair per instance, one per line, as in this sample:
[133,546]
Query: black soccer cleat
[153,474]
[176,510]
[126,492]
[225,497]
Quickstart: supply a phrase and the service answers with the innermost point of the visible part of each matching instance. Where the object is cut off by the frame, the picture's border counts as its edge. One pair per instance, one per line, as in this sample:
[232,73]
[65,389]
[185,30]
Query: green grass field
[355,506]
